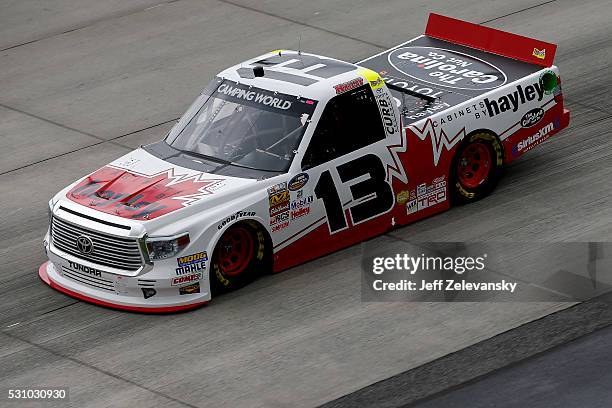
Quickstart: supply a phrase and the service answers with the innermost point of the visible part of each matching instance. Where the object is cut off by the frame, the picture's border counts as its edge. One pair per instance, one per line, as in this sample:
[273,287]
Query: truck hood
[140,186]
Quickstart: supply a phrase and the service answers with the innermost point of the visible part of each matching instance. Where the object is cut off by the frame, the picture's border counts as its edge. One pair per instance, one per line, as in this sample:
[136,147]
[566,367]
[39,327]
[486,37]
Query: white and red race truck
[290,156]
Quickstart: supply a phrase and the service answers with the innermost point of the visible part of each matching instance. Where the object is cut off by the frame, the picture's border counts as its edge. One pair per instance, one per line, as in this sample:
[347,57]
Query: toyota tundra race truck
[289,156]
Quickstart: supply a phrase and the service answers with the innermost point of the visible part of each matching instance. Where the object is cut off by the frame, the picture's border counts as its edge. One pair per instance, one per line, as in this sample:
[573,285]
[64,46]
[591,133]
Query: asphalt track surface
[84,82]
[577,374]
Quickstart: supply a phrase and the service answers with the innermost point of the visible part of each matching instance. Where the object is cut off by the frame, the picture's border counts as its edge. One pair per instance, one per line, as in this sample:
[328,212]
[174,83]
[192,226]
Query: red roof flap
[490,40]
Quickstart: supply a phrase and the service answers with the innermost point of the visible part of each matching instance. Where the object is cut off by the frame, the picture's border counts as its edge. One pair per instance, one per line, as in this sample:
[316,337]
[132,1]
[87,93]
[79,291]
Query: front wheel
[476,168]
[238,257]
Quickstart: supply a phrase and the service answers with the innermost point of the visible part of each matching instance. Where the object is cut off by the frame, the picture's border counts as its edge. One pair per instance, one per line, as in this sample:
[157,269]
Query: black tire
[467,181]
[226,275]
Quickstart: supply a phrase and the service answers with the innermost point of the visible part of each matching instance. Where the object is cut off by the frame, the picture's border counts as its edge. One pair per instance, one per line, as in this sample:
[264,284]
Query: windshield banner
[263,99]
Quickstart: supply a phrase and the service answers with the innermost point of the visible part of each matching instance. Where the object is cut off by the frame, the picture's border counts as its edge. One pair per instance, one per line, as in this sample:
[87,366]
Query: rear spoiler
[490,40]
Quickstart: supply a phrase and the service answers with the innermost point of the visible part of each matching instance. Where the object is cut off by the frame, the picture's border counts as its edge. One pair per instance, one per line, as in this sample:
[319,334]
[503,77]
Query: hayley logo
[513,100]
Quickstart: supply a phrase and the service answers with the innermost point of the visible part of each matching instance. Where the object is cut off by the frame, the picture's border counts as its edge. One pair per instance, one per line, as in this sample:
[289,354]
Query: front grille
[146,282]
[88,279]
[108,250]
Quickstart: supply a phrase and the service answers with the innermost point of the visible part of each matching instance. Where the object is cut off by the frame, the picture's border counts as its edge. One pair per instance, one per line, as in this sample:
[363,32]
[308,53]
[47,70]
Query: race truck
[289,156]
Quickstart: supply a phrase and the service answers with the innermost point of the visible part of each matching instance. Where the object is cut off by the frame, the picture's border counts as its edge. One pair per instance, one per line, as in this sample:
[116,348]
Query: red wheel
[474,165]
[235,251]
[476,168]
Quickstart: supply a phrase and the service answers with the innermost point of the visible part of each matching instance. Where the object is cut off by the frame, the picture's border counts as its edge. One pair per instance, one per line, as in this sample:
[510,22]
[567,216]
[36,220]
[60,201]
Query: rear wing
[490,40]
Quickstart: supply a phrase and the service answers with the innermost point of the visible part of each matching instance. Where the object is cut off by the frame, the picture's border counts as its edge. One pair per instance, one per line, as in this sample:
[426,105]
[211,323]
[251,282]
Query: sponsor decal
[284,216]
[385,106]
[190,289]
[348,86]
[376,83]
[513,100]
[148,292]
[446,68]
[428,195]
[402,197]
[300,212]
[276,209]
[541,54]
[301,206]
[280,226]
[192,259]
[279,198]
[253,96]
[200,266]
[302,202]
[411,207]
[180,280]
[277,188]
[193,263]
[534,140]
[532,118]
[234,217]
[85,269]
[279,201]
[298,181]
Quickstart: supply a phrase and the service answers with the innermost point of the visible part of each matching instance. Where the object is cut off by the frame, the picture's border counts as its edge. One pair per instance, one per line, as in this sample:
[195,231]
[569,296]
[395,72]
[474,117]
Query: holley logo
[450,69]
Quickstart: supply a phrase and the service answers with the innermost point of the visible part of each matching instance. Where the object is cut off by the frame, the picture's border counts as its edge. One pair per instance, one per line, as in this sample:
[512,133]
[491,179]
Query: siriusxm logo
[540,136]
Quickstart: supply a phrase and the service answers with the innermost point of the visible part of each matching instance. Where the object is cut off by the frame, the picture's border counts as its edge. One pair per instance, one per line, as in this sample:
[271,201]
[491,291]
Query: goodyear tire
[239,256]
[476,168]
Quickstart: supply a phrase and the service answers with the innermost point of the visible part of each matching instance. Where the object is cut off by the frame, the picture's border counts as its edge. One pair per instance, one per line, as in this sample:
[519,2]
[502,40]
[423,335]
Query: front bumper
[49,274]
[156,288]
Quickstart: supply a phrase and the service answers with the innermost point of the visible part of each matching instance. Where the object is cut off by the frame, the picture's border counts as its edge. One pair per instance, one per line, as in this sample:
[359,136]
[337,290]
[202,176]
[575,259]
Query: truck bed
[449,72]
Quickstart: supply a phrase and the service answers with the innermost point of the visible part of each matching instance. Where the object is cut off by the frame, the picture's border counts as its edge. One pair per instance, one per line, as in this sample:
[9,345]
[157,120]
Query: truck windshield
[244,126]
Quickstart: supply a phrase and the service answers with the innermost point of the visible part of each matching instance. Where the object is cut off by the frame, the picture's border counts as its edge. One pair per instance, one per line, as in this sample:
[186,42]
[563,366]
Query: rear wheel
[238,257]
[476,168]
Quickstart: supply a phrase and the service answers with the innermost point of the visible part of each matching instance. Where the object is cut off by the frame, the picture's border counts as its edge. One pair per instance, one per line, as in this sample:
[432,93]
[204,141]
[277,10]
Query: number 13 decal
[376,186]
